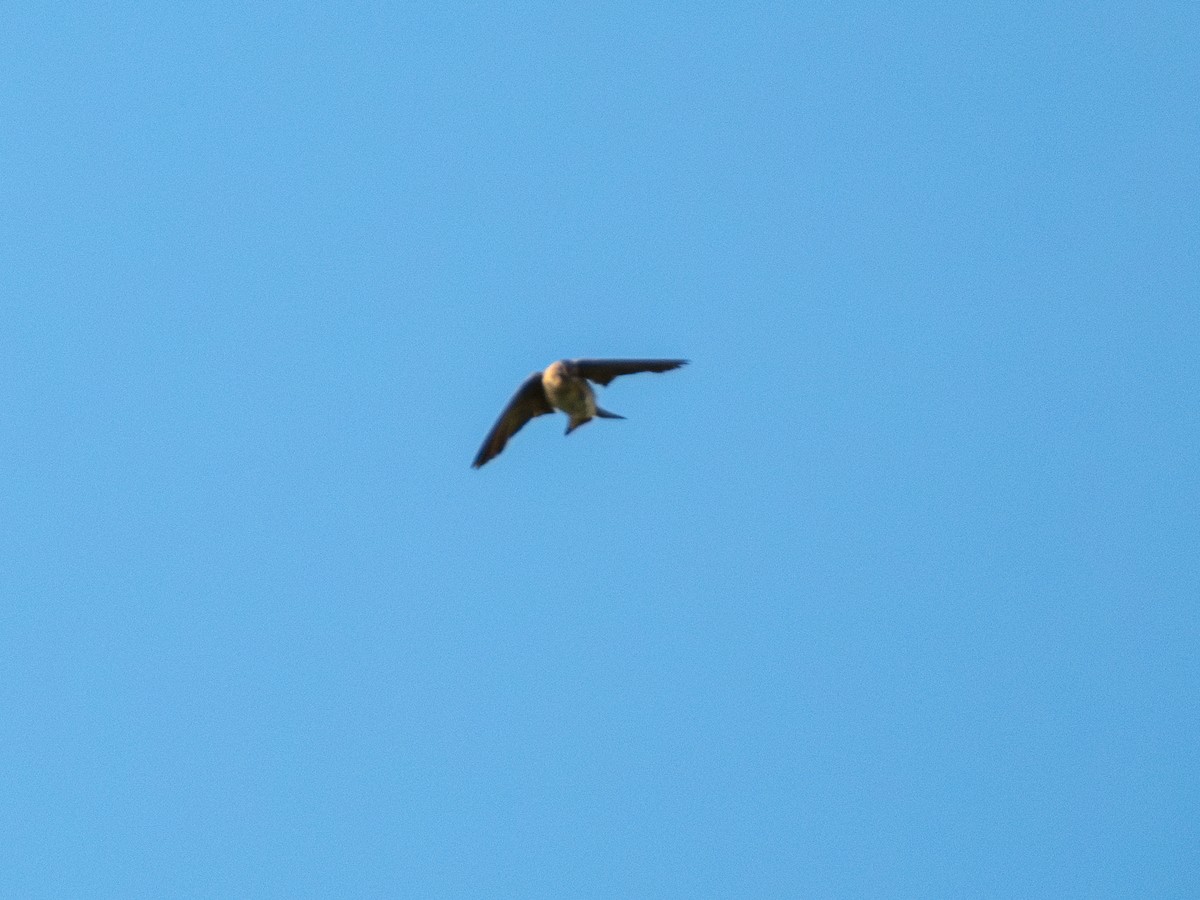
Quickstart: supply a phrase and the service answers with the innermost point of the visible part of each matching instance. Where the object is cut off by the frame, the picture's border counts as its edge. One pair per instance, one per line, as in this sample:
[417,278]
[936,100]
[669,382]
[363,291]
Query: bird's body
[564,385]
[571,394]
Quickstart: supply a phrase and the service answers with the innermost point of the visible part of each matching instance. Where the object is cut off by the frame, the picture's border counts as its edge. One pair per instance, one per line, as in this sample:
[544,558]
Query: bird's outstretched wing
[602,371]
[529,401]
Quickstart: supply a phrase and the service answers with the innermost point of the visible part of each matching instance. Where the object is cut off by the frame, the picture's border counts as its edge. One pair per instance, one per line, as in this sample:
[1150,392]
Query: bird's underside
[564,386]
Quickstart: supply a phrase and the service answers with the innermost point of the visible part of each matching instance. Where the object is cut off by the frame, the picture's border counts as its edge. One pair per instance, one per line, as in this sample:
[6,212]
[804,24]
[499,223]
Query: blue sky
[892,592]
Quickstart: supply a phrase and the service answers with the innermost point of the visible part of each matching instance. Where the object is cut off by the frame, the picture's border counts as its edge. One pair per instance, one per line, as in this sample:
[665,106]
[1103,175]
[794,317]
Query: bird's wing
[602,371]
[529,401]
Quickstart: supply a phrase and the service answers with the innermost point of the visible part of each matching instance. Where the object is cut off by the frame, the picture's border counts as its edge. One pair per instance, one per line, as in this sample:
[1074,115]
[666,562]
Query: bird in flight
[563,385]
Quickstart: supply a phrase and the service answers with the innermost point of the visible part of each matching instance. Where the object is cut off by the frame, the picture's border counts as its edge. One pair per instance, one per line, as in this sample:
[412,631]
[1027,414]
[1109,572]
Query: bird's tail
[600,414]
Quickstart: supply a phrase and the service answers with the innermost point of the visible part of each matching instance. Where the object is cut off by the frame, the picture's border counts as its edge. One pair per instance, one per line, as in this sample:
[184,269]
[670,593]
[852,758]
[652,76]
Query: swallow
[563,385]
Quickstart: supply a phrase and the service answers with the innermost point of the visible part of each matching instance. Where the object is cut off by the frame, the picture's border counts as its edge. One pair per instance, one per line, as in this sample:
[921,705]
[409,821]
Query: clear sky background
[892,592]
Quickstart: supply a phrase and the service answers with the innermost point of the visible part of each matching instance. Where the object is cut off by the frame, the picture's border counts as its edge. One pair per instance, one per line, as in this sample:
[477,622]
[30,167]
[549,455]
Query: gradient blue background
[893,592]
